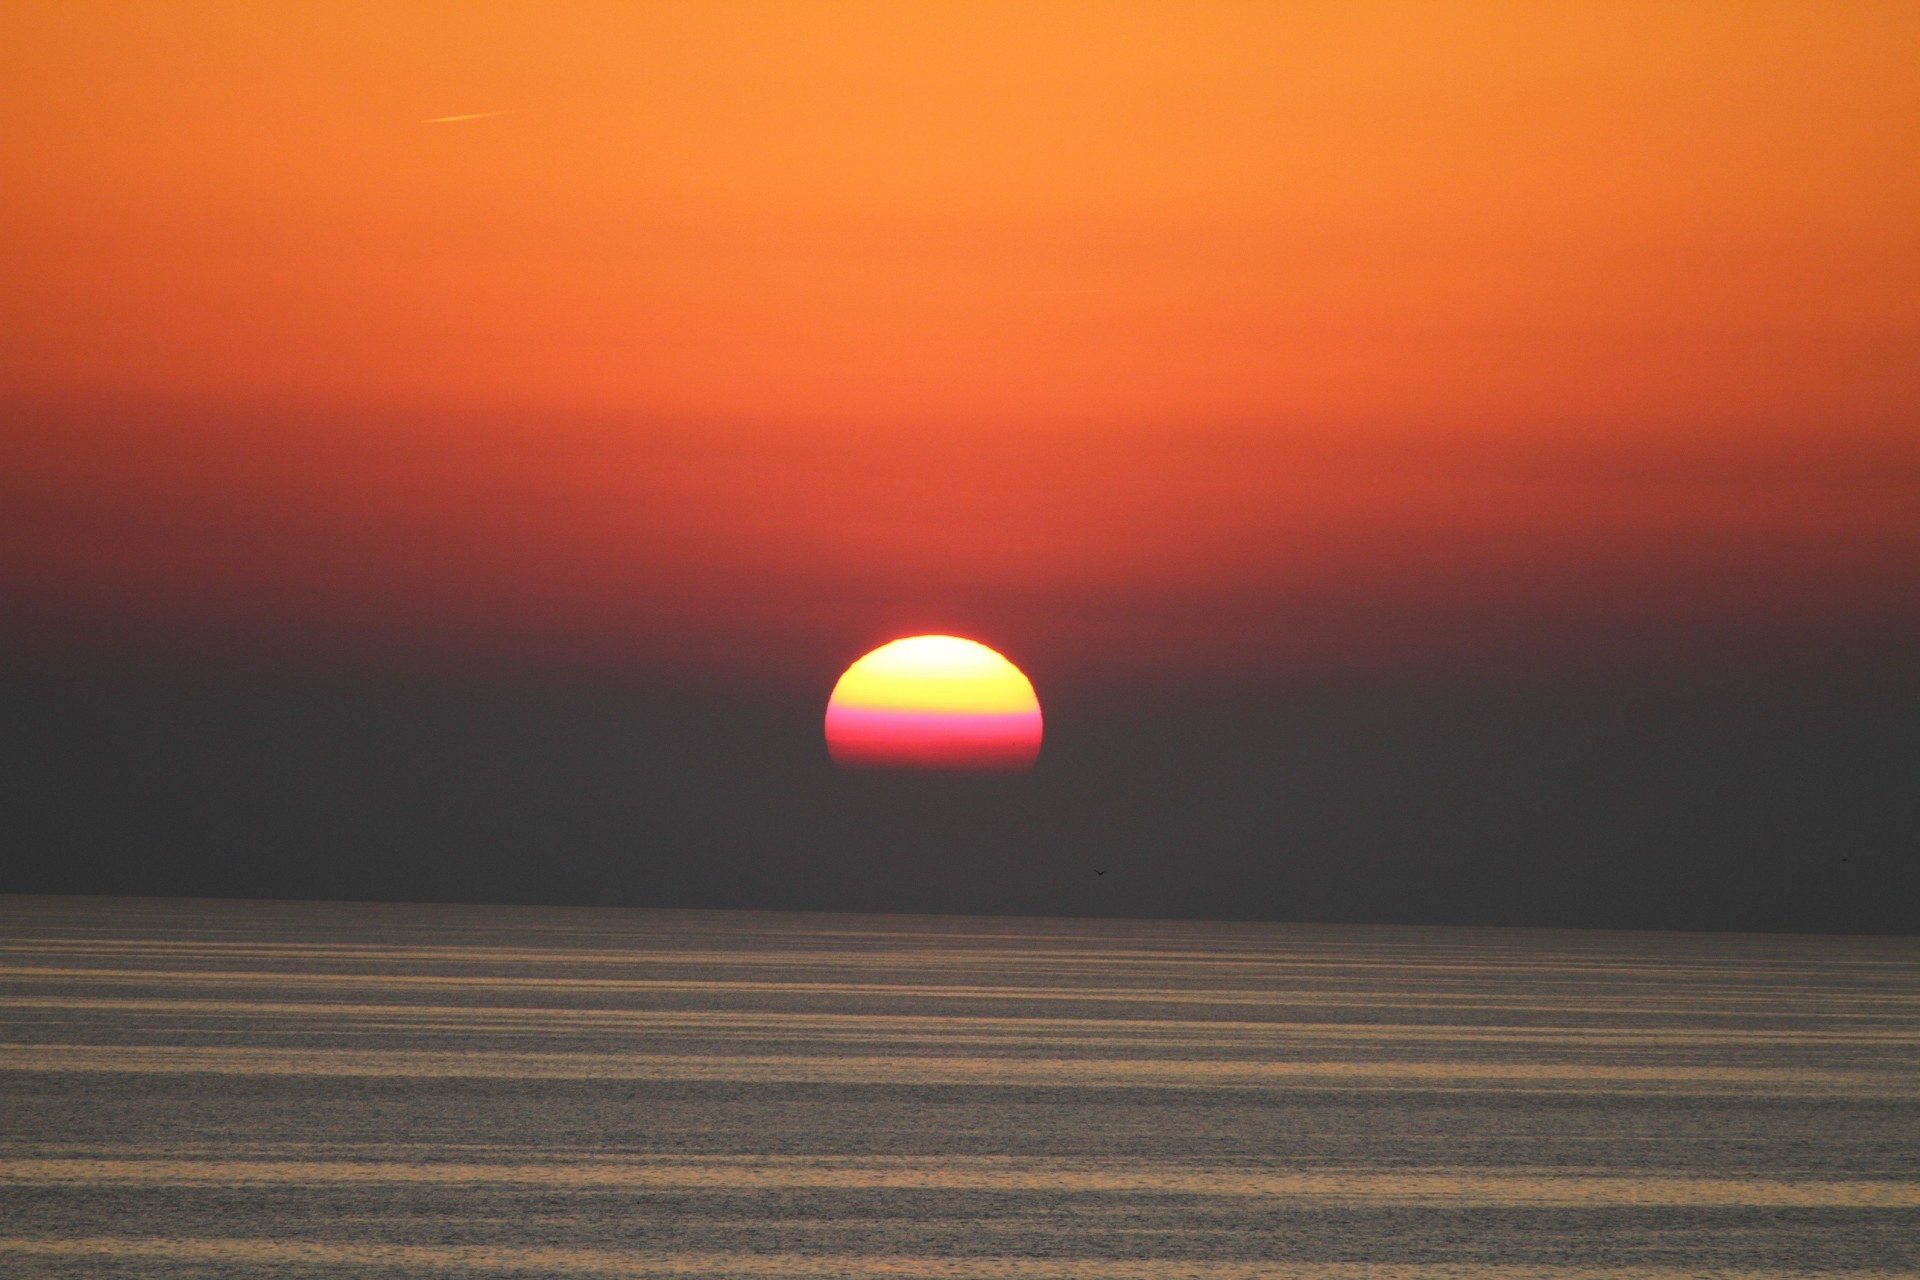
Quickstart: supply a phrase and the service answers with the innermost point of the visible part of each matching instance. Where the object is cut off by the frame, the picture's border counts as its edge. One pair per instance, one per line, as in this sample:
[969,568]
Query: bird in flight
[1097,871]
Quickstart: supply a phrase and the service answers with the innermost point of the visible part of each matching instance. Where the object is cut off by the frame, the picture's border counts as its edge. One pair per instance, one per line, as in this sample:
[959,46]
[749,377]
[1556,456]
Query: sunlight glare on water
[197,1089]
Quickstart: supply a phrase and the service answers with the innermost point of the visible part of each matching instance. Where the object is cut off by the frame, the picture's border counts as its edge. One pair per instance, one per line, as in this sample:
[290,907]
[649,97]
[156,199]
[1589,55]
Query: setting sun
[934,702]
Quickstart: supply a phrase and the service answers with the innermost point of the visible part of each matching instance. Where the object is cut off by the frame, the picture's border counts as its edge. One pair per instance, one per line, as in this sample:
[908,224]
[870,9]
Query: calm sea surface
[278,1089]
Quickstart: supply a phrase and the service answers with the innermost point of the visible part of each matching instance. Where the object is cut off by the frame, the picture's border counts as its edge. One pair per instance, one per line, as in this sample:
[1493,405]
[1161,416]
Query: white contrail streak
[477,115]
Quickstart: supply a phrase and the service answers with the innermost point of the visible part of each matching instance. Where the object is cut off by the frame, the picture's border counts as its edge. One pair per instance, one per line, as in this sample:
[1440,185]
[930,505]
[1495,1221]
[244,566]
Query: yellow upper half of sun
[941,674]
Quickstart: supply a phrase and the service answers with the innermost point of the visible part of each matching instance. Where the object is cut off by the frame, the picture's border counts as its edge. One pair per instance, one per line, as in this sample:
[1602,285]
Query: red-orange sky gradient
[1133,338]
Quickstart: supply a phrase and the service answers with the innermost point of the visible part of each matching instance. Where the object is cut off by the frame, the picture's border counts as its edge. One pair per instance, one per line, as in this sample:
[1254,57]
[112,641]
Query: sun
[934,702]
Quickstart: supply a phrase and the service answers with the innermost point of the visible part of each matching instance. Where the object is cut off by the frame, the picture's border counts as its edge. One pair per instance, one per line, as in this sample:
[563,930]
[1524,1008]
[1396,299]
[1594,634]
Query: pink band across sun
[934,702]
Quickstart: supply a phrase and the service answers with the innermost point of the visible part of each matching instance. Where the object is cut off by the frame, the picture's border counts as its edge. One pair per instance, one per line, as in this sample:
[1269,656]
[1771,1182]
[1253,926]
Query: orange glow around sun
[934,702]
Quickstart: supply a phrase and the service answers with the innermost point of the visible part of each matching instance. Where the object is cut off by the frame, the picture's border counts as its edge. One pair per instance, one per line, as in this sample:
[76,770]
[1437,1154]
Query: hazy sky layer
[1442,462]
[1254,338]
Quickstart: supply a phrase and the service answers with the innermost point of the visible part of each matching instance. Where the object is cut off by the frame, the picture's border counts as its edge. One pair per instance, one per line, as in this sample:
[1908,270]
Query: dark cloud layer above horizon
[1733,809]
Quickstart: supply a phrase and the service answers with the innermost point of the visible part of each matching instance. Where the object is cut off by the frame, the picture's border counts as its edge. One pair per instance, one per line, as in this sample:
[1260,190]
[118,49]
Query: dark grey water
[282,1089]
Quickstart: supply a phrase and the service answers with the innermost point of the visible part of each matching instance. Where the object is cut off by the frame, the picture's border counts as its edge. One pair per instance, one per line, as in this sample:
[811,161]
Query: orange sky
[1257,334]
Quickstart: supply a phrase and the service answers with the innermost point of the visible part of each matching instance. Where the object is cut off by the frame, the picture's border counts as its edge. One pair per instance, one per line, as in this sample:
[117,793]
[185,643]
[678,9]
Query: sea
[200,1088]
